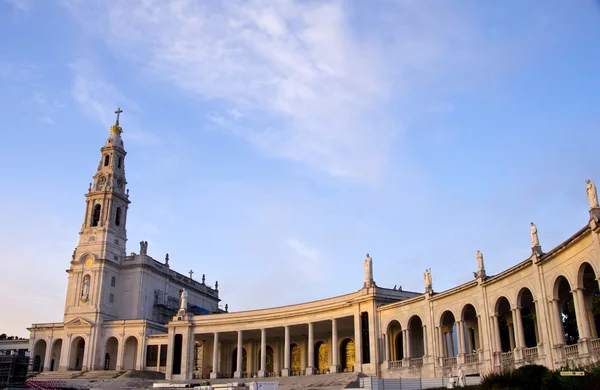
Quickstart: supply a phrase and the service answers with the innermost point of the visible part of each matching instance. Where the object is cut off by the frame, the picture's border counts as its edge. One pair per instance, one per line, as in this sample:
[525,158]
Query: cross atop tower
[191,273]
[118,112]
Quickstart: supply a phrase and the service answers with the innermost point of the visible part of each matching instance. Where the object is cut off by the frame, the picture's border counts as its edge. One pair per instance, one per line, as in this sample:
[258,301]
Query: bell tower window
[106,160]
[120,162]
[113,281]
[118,217]
[96,215]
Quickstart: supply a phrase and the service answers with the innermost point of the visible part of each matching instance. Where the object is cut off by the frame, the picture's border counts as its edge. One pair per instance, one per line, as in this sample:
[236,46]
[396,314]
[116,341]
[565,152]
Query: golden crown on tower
[116,129]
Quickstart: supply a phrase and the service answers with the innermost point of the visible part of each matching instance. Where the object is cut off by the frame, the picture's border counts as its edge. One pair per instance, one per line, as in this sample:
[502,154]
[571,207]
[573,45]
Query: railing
[506,357]
[297,373]
[322,372]
[349,369]
[595,346]
[469,359]
[530,353]
[450,361]
[415,362]
[571,351]
[395,365]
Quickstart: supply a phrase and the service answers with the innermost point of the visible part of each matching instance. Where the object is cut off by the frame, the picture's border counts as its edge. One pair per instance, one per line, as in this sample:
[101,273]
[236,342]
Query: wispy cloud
[21,5]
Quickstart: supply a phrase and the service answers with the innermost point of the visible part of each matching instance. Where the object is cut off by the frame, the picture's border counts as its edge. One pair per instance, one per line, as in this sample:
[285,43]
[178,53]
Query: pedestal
[335,369]
[537,250]
[595,214]
[310,371]
[214,375]
[237,374]
[262,374]
[286,372]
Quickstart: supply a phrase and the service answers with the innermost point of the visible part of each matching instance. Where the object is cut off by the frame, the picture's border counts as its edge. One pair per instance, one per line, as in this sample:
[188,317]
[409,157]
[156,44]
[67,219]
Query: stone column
[470,345]
[357,344]
[559,332]
[335,367]
[441,344]
[286,353]
[511,336]
[170,351]
[239,369]
[583,321]
[310,369]
[497,333]
[48,356]
[405,361]
[425,344]
[158,358]
[215,363]
[518,320]
[460,337]
[262,373]
[538,334]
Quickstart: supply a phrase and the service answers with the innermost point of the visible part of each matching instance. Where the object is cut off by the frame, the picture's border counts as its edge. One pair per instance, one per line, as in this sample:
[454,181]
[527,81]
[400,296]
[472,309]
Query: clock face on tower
[89,261]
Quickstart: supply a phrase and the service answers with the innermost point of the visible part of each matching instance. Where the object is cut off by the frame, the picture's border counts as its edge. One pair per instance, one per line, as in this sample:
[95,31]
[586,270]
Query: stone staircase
[87,375]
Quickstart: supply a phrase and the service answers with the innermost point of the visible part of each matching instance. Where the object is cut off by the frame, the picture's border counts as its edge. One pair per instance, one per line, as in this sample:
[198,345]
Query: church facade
[133,312]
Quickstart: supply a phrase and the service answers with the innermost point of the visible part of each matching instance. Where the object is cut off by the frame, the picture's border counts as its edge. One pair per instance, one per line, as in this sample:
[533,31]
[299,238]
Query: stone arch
[347,355]
[416,340]
[471,329]
[567,330]
[130,348]
[527,310]
[449,333]
[234,367]
[590,300]
[295,358]
[503,310]
[55,354]
[77,353]
[39,355]
[321,358]
[111,351]
[395,341]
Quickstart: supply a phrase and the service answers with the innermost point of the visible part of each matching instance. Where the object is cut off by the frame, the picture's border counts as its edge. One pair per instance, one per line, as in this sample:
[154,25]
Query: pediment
[80,321]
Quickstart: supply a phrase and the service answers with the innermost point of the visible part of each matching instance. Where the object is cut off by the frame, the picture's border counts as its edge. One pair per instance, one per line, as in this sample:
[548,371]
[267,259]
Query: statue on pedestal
[428,282]
[481,270]
[143,247]
[369,272]
[184,296]
[534,236]
[592,194]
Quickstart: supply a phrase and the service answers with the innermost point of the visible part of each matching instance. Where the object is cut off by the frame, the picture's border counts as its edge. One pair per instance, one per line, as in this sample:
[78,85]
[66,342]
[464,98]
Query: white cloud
[320,83]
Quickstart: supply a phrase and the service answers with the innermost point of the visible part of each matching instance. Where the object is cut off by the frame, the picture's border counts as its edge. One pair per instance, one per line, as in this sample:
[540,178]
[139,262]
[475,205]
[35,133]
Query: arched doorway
[565,313]
[348,355]
[77,353]
[110,356]
[321,358]
[416,338]
[471,329]
[505,325]
[449,334]
[130,353]
[395,342]
[528,317]
[591,300]
[39,354]
[234,360]
[269,364]
[55,355]
[295,359]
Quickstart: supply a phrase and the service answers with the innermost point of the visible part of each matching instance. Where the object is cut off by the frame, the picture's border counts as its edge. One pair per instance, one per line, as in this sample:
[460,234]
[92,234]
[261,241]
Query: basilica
[129,311]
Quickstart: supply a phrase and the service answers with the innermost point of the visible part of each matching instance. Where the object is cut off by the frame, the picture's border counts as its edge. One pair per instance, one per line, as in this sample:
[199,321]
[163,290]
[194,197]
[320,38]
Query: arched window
[106,160]
[118,217]
[96,215]
[120,162]
[113,281]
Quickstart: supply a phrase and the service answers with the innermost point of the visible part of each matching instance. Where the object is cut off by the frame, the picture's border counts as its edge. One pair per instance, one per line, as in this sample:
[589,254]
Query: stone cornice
[567,243]
[402,303]
[506,273]
[462,287]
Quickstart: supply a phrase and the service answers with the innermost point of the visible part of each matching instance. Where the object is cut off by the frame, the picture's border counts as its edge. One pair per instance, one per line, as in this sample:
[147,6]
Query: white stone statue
[85,290]
[534,236]
[428,283]
[451,382]
[461,377]
[480,261]
[369,271]
[184,296]
[592,194]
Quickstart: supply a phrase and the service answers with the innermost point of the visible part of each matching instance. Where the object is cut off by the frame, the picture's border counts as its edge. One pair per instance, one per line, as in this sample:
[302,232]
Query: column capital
[576,289]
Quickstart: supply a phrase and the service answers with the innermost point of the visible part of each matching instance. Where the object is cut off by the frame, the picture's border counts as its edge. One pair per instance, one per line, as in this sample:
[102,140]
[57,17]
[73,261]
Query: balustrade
[595,346]
[506,357]
[530,354]
[395,365]
[572,351]
[415,362]
[473,358]
[449,361]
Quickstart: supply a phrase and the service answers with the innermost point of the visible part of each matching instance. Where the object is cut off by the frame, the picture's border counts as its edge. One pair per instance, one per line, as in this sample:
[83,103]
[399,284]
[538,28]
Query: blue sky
[272,144]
